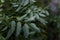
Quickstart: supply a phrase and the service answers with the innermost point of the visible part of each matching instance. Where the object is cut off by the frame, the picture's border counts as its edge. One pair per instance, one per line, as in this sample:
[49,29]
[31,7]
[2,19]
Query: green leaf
[31,14]
[28,11]
[26,30]
[18,29]
[18,8]
[40,19]
[30,19]
[37,16]
[4,29]
[42,15]
[34,27]
[11,30]
[43,21]
[14,5]
[22,17]
[25,2]
[32,33]
[47,13]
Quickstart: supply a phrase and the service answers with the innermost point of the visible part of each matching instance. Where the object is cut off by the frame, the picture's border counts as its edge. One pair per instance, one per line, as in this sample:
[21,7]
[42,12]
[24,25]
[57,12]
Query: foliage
[20,18]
